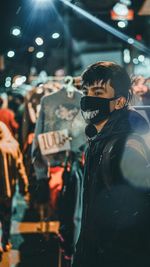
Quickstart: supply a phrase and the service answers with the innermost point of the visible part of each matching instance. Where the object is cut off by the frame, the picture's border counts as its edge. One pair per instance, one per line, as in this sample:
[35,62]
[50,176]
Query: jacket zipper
[86,206]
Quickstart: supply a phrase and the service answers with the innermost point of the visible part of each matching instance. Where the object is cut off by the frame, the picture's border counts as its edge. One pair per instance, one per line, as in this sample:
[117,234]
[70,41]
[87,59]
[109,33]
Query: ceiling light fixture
[120,9]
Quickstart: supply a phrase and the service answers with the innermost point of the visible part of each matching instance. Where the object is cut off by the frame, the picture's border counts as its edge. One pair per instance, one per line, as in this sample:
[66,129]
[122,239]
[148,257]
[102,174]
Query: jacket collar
[123,121]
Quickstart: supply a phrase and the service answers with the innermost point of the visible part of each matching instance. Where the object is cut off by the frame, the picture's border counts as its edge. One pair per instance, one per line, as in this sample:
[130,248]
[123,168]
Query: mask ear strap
[114,98]
[129,97]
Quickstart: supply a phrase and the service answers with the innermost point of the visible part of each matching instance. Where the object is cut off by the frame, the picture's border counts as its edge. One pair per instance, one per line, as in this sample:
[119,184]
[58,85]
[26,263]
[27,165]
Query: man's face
[98,89]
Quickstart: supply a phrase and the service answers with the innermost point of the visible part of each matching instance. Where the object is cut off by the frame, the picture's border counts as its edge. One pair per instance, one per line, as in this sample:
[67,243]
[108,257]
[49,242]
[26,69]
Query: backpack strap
[138,143]
[114,149]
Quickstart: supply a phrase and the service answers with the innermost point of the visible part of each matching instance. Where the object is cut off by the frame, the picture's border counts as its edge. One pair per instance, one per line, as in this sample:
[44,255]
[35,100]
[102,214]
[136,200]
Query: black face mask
[95,109]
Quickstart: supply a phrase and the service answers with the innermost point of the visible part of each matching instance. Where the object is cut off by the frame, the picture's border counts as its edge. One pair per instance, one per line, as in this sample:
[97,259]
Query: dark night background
[73,28]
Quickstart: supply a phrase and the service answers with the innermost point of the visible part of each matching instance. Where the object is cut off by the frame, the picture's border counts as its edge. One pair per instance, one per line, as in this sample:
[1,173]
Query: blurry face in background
[139,86]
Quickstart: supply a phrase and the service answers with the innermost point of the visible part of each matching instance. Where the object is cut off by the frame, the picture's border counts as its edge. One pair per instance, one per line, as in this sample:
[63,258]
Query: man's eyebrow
[99,87]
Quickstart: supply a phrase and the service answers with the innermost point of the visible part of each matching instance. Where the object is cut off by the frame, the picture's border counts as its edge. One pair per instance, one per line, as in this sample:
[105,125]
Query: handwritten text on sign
[54,142]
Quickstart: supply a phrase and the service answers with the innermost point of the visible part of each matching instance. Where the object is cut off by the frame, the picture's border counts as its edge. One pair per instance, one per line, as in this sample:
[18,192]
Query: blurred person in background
[8,117]
[141,90]
[12,172]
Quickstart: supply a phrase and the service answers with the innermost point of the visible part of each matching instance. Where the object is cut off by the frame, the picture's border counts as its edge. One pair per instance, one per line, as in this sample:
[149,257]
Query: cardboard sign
[54,142]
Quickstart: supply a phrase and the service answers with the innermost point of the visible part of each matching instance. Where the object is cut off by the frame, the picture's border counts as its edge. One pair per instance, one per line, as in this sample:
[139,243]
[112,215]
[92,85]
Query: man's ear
[120,102]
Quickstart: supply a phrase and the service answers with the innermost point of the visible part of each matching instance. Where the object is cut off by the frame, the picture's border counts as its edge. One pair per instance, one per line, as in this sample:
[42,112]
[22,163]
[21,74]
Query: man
[115,230]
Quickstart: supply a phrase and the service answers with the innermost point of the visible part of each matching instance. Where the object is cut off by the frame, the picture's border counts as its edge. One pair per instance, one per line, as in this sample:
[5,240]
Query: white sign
[54,142]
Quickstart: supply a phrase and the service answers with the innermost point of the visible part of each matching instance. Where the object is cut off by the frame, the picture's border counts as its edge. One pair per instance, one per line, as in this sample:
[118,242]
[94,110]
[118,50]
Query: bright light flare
[141,58]
[120,9]
[135,61]
[55,35]
[7,84]
[8,79]
[41,3]
[16,31]
[121,24]
[10,54]
[40,54]
[39,41]
[126,56]
[131,41]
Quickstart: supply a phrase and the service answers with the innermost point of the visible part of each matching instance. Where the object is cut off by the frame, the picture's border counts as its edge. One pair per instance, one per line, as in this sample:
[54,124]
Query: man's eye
[98,93]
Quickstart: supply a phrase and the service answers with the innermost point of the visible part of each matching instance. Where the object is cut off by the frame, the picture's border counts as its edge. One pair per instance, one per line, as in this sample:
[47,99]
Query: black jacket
[115,227]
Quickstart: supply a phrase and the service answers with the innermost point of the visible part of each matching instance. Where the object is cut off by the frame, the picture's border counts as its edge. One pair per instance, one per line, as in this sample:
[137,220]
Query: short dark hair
[108,71]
